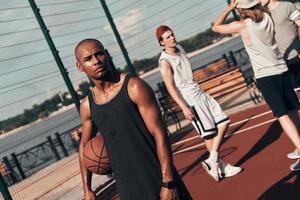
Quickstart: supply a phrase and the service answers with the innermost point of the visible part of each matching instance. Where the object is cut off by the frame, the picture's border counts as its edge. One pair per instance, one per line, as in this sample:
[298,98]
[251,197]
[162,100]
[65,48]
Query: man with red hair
[200,108]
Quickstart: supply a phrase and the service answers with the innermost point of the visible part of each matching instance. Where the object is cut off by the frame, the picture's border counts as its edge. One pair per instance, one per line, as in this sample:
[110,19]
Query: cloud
[128,21]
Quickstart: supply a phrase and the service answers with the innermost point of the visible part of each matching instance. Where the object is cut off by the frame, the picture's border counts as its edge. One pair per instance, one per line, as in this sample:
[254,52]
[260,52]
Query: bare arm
[297,22]
[168,77]
[151,115]
[233,27]
[87,132]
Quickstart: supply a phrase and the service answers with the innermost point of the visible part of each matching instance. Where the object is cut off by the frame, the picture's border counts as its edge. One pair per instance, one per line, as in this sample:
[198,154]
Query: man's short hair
[84,41]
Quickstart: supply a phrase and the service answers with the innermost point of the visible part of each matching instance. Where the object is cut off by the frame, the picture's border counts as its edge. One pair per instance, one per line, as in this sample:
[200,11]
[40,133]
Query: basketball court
[257,144]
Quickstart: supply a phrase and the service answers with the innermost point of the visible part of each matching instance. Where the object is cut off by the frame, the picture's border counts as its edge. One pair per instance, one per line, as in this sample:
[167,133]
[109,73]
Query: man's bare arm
[151,115]
[233,27]
[168,77]
[297,22]
[87,132]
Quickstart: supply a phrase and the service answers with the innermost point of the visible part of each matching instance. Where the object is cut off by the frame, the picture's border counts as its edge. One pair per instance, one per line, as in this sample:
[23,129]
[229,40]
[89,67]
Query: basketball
[95,157]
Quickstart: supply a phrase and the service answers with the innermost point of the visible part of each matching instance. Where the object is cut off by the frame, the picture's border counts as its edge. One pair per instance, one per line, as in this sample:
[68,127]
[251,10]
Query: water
[22,139]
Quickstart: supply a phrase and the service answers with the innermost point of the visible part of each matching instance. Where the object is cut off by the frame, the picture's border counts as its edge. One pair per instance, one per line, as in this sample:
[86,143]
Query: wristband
[169,184]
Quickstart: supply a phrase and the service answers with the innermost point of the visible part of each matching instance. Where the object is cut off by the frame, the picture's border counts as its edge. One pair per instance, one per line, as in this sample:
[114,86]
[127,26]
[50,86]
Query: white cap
[247,3]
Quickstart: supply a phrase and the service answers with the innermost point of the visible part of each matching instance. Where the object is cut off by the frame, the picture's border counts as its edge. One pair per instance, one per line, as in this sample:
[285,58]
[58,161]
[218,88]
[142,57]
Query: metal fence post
[10,169]
[16,161]
[232,58]
[60,142]
[53,148]
[227,61]
[4,190]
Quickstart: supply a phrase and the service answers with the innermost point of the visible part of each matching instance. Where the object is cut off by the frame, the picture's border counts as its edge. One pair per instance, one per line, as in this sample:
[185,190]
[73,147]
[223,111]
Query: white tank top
[264,54]
[183,75]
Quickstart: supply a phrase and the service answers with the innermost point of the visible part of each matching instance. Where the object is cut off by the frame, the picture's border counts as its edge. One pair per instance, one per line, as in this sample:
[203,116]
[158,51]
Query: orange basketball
[95,156]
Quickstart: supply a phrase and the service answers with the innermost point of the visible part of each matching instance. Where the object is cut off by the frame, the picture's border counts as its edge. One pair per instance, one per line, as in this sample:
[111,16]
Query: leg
[290,129]
[280,96]
[211,164]
[208,144]
[296,118]
[225,169]
[216,141]
[213,144]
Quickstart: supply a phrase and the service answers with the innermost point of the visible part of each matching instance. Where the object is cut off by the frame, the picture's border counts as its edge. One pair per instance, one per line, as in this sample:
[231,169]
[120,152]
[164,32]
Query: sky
[28,72]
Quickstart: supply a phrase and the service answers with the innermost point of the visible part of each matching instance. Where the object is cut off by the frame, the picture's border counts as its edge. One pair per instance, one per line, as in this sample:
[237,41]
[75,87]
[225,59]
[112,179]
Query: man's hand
[188,113]
[75,135]
[233,4]
[89,195]
[168,194]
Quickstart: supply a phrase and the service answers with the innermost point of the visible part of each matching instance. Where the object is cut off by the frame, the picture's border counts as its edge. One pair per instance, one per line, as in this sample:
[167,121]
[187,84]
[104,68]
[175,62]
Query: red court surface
[254,141]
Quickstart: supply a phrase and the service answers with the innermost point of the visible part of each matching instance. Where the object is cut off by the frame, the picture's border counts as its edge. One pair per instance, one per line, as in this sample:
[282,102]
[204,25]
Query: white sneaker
[295,166]
[227,170]
[211,168]
[294,155]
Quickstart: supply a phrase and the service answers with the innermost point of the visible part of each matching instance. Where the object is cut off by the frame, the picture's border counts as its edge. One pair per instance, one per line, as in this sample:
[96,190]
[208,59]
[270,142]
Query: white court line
[186,140]
[233,133]
[233,124]
[253,117]
[189,148]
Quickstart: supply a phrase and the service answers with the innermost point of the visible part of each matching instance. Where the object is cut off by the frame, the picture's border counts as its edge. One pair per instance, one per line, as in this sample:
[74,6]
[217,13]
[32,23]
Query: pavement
[62,180]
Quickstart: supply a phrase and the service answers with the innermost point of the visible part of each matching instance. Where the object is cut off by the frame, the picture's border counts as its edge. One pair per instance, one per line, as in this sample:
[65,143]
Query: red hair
[161,30]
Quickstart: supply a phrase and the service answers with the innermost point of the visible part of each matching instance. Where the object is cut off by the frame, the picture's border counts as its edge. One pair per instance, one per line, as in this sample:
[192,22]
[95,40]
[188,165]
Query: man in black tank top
[123,109]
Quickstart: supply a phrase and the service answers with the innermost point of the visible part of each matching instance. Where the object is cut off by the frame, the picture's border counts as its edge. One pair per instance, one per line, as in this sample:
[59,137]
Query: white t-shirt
[264,54]
[183,75]
[286,31]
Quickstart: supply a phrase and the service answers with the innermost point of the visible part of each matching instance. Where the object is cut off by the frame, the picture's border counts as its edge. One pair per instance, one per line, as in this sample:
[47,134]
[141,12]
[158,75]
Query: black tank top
[130,146]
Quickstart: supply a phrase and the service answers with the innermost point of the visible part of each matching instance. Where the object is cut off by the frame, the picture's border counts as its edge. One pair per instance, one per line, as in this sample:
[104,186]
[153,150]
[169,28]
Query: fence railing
[23,164]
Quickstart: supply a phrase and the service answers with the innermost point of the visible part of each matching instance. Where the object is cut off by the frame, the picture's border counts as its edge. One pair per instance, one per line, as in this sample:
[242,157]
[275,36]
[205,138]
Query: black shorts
[279,94]
[294,64]
[294,67]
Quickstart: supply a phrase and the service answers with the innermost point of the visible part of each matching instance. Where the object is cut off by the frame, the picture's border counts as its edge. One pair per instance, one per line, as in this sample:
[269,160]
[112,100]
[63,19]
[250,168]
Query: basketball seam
[98,159]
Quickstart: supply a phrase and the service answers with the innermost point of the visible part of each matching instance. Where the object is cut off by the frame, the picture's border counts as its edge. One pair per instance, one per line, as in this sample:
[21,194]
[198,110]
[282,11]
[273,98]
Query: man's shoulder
[162,55]
[286,5]
[137,88]
[85,108]
[85,102]
[133,79]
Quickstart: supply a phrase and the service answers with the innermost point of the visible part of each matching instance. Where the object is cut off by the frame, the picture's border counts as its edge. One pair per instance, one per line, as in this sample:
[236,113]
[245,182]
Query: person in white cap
[286,18]
[271,72]
[200,108]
